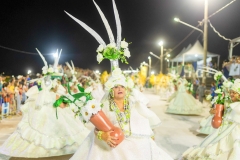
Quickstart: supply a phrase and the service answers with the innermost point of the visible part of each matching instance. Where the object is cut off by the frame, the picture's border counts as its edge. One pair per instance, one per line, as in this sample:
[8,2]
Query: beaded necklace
[123,118]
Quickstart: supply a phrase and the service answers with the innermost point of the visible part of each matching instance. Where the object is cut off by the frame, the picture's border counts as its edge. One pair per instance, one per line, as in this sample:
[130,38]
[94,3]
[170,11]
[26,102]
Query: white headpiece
[72,70]
[117,78]
[51,70]
[114,50]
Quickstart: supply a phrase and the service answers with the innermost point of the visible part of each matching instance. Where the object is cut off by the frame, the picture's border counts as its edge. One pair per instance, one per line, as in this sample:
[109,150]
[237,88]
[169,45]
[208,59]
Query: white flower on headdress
[99,57]
[88,90]
[130,83]
[127,53]
[74,79]
[100,48]
[86,114]
[109,85]
[218,75]
[50,70]
[54,83]
[116,72]
[93,106]
[111,45]
[73,72]
[45,70]
[124,44]
[56,70]
[227,84]
[218,91]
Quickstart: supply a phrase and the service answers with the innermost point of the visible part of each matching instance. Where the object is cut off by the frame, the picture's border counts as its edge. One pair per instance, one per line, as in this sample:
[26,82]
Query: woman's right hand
[110,140]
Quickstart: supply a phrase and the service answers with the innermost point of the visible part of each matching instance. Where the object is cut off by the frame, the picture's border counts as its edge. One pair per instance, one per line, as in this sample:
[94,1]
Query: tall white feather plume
[90,30]
[73,66]
[44,60]
[118,23]
[106,24]
[69,66]
[56,60]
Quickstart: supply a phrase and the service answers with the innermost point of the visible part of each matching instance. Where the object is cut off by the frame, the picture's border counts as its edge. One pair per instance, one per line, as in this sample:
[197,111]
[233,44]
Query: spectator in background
[1,86]
[6,95]
[11,92]
[225,68]
[24,90]
[219,84]
[17,97]
[28,78]
[201,92]
[195,87]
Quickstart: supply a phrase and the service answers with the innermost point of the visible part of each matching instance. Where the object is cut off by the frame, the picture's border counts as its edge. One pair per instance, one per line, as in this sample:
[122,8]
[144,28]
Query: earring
[111,93]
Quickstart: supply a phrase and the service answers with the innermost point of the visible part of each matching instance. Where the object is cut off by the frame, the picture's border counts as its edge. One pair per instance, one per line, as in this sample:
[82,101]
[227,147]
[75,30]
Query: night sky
[29,24]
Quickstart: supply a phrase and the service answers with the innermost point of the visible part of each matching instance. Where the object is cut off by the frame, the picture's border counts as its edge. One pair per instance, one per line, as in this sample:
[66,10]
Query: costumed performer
[184,103]
[45,131]
[122,110]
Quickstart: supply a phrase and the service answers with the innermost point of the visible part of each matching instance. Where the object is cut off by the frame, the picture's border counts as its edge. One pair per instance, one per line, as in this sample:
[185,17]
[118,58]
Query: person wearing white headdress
[223,144]
[126,111]
[121,106]
[45,131]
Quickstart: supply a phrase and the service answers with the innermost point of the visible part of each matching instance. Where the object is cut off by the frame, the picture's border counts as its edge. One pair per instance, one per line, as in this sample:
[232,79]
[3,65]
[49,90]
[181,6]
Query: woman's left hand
[110,140]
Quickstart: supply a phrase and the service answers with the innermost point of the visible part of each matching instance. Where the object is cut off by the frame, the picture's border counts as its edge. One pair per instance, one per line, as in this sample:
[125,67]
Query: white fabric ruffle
[184,103]
[206,125]
[222,144]
[41,134]
[138,145]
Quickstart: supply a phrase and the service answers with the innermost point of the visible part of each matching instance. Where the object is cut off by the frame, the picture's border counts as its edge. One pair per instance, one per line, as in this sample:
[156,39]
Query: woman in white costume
[45,131]
[184,103]
[135,120]
[223,144]
[129,114]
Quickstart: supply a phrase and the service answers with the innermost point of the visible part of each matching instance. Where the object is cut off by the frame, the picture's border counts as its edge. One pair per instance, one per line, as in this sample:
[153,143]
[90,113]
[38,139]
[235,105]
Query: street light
[178,20]
[29,71]
[161,56]
[205,35]
[150,64]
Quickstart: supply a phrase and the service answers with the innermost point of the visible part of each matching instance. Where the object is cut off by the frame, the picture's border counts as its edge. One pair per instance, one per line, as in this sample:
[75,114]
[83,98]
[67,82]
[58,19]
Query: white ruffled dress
[184,103]
[206,125]
[138,146]
[40,133]
[223,144]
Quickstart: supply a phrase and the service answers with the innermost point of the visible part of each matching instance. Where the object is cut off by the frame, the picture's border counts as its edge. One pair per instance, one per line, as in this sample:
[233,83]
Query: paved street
[175,135]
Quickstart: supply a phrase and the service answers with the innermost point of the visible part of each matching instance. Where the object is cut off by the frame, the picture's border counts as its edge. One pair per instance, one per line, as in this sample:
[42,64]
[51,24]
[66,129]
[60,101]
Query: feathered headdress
[72,70]
[51,70]
[114,50]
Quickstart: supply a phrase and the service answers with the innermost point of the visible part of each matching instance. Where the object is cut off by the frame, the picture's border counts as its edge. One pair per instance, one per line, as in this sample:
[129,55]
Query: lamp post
[161,56]
[205,35]
[205,38]
[178,20]
[150,65]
